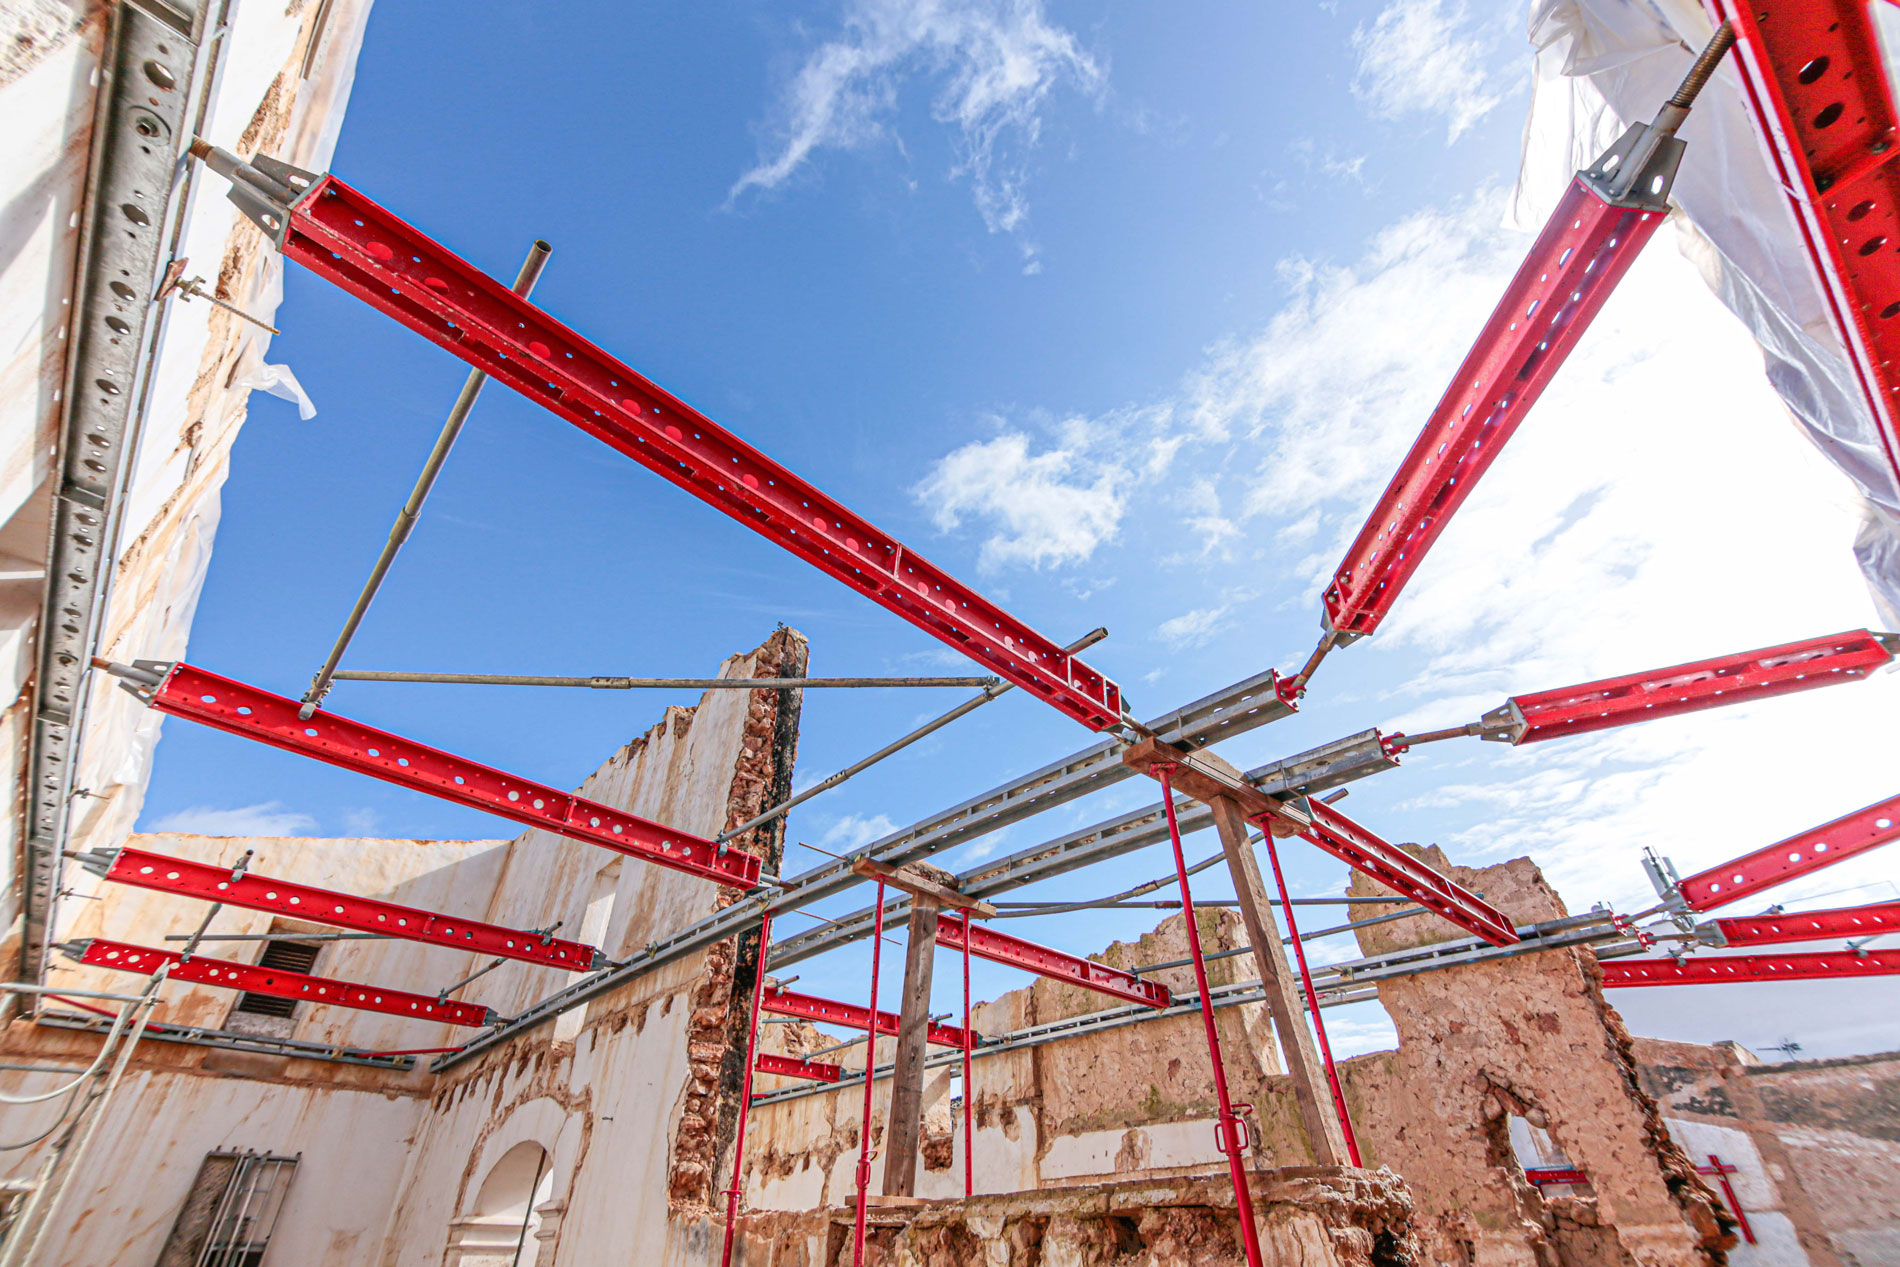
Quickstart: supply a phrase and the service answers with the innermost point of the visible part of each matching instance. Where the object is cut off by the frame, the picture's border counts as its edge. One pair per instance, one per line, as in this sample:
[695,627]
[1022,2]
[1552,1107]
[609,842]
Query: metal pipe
[278,937]
[1228,1131]
[969,1091]
[473,976]
[412,509]
[870,1059]
[1704,67]
[22,987]
[655,683]
[745,1094]
[1433,736]
[1312,1005]
[967,706]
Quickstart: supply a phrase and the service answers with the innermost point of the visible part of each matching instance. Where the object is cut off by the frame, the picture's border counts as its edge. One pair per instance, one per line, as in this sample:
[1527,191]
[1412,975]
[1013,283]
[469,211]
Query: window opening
[230,1211]
[286,956]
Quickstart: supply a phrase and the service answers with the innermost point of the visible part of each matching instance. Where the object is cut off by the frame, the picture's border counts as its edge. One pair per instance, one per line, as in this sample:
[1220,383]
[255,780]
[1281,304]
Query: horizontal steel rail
[782,1002]
[232,1040]
[787,1067]
[1732,969]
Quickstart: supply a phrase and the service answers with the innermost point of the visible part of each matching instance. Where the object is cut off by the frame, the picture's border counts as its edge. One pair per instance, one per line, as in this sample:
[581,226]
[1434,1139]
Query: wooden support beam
[901,1137]
[1284,1004]
[921,887]
[1206,778]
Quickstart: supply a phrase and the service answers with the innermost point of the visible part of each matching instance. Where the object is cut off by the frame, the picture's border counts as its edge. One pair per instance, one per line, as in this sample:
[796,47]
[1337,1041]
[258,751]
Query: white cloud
[854,831]
[267,818]
[1193,629]
[1422,57]
[995,63]
[1046,508]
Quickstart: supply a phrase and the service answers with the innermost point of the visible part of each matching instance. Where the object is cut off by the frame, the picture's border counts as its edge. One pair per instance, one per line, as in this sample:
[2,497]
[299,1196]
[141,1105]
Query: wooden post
[907,1078]
[1284,1003]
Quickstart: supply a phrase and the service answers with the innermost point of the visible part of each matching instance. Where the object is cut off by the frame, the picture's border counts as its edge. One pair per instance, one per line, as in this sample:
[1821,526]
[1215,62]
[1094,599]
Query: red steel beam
[347,239]
[851,1015]
[231,706]
[345,910]
[1399,871]
[1846,921]
[1714,969]
[1815,79]
[1057,965]
[786,1067]
[1541,1175]
[1790,859]
[1584,251]
[282,984]
[1688,688]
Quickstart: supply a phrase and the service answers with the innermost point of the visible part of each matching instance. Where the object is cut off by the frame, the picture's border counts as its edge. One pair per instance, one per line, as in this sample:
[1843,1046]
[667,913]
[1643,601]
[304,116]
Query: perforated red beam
[1057,965]
[1794,857]
[1688,688]
[851,1015]
[345,910]
[1583,252]
[1716,969]
[1815,80]
[282,984]
[1402,873]
[786,1067]
[238,709]
[1846,921]
[348,239]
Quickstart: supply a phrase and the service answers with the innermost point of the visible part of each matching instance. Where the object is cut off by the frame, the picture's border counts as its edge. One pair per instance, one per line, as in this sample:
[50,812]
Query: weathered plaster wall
[204,358]
[628,1096]
[1817,1144]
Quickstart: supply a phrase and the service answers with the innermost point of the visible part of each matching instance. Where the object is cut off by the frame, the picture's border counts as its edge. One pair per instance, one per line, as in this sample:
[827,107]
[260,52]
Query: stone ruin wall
[1530,1036]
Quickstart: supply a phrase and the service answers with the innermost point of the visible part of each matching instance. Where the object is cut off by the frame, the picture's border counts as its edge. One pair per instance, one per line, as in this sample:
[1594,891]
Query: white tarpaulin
[1604,64]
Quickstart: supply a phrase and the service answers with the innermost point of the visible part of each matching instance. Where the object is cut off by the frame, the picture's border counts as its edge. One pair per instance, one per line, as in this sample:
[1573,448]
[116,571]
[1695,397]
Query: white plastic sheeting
[1604,64]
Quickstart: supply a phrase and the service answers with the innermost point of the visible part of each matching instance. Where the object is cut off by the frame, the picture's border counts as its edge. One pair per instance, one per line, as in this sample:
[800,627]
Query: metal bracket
[265,189]
[1638,171]
[1504,724]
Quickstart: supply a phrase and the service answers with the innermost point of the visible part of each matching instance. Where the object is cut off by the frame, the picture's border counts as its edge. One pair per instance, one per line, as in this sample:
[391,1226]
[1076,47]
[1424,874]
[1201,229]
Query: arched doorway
[498,1228]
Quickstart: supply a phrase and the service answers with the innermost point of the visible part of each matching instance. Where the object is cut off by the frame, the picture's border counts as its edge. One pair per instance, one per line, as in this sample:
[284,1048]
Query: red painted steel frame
[1688,688]
[1406,875]
[850,1015]
[1794,857]
[1715,969]
[232,706]
[344,910]
[1541,1175]
[1814,77]
[1847,921]
[1722,1170]
[786,1067]
[1583,252]
[1229,1133]
[1057,965]
[745,1093]
[282,984]
[348,239]
[870,1079]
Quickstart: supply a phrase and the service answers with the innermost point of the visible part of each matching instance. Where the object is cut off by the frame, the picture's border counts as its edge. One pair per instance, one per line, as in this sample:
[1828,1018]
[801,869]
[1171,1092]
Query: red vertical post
[745,1096]
[870,1066]
[1721,1173]
[969,1091]
[1312,1005]
[1228,1133]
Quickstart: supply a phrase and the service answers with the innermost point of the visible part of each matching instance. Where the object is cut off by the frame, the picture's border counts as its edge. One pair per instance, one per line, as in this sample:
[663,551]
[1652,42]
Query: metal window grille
[230,1211]
[288,956]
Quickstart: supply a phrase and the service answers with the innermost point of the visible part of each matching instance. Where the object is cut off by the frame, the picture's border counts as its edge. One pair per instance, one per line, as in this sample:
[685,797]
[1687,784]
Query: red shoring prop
[347,239]
[851,1015]
[1056,965]
[1728,969]
[1798,855]
[1721,1170]
[870,1080]
[745,1094]
[1871,920]
[969,1092]
[789,1067]
[1228,1132]
[1312,1003]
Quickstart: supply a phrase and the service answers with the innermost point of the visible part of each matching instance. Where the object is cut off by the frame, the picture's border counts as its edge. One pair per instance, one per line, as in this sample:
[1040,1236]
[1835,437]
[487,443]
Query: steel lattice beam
[1057,965]
[1794,857]
[850,1015]
[1585,249]
[786,1067]
[228,705]
[1688,688]
[281,983]
[1816,81]
[1399,871]
[344,237]
[345,910]
[1716,969]
[1847,921]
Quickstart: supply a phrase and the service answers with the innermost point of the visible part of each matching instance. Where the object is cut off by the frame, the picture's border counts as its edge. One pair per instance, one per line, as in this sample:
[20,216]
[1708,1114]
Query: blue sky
[1122,317]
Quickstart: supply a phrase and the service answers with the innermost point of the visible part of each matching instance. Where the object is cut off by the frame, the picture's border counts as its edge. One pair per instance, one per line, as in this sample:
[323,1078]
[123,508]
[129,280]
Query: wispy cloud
[1193,629]
[267,818]
[995,63]
[1424,57]
[854,831]
[1046,507]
